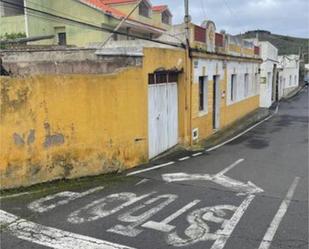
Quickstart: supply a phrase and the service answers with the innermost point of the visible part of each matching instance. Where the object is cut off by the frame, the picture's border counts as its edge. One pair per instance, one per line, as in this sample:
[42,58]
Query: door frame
[165,136]
[216,102]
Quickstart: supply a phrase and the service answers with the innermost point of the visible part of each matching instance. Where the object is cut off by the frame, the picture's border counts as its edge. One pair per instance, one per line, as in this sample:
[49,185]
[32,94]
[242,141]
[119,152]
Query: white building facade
[269,54]
[288,74]
[306,76]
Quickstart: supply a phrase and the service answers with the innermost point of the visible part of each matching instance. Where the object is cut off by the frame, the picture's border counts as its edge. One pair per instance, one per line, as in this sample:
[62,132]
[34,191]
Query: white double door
[162,117]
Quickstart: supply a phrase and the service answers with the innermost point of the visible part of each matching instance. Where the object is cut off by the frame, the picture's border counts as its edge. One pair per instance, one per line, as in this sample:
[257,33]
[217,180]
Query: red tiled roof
[159,8]
[100,5]
[117,1]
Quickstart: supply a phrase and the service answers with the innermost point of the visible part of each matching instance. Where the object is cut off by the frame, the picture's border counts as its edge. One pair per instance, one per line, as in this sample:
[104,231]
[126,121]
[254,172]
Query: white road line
[277,108]
[51,237]
[184,158]
[231,166]
[239,135]
[272,229]
[163,225]
[151,168]
[16,195]
[197,154]
[232,223]
[141,182]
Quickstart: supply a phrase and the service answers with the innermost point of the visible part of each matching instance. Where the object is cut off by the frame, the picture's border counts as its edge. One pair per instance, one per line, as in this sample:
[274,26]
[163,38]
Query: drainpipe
[26,19]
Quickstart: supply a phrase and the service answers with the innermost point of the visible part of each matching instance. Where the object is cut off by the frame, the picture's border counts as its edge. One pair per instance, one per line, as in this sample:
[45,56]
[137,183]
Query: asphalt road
[251,193]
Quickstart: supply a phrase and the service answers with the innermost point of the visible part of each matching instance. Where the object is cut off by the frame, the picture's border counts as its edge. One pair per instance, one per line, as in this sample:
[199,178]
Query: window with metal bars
[162,77]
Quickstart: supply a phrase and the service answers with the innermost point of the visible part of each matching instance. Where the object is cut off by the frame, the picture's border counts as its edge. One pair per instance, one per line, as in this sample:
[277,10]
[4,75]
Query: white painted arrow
[219,178]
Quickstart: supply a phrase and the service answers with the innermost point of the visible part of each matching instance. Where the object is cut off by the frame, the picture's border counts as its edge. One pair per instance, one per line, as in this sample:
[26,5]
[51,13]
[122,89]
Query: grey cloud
[287,17]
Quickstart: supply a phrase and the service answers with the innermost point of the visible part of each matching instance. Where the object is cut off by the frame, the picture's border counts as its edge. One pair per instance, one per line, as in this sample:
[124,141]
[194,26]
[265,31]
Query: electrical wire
[88,25]
[58,12]
[203,8]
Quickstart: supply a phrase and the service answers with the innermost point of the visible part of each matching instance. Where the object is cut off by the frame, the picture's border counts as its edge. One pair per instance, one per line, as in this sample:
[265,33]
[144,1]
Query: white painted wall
[289,73]
[306,78]
[240,69]
[269,54]
[206,67]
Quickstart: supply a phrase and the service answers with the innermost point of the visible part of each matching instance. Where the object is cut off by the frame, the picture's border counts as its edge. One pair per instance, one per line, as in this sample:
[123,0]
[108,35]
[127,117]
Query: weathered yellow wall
[66,126]
[69,126]
[248,52]
[238,110]
[234,48]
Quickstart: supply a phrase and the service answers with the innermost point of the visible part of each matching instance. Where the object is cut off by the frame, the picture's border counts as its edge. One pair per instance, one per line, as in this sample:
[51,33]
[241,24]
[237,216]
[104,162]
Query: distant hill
[285,44]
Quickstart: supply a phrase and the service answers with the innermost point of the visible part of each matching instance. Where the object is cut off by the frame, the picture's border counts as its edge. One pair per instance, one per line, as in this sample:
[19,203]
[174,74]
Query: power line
[56,11]
[88,25]
[232,12]
[229,8]
[203,8]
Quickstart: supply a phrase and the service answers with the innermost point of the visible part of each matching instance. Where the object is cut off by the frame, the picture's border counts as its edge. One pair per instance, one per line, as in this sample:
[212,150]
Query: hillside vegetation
[285,44]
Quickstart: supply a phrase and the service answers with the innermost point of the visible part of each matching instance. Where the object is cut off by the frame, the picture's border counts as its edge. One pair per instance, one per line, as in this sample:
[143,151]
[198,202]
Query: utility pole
[187,69]
[187,20]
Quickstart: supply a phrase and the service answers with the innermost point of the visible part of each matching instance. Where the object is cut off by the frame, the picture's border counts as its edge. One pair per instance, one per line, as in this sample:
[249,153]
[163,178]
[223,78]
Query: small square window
[144,10]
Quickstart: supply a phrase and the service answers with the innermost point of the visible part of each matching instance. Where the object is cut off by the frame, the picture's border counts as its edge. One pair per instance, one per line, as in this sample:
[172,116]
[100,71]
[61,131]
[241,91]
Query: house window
[163,77]
[269,80]
[256,83]
[166,18]
[62,39]
[144,9]
[290,83]
[233,87]
[7,9]
[246,85]
[115,37]
[295,80]
[203,92]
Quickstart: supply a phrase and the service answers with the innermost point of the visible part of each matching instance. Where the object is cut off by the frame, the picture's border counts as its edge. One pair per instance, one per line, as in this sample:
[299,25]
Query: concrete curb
[236,128]
[294,92]
[217,138]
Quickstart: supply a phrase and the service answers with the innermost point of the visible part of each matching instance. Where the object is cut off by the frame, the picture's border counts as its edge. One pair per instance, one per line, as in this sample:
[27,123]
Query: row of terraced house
[75,103]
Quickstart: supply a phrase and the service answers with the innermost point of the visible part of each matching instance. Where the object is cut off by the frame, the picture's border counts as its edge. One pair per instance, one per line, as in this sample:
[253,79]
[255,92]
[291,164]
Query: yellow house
[82,112]
[57,122]
[224,73]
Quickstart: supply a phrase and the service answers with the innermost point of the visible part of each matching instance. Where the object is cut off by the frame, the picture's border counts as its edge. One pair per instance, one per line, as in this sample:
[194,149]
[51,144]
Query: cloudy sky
[286,17]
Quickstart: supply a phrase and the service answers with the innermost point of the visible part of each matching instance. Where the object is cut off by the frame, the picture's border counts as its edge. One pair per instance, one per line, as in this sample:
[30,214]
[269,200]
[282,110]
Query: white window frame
[256,83]
[290,80]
